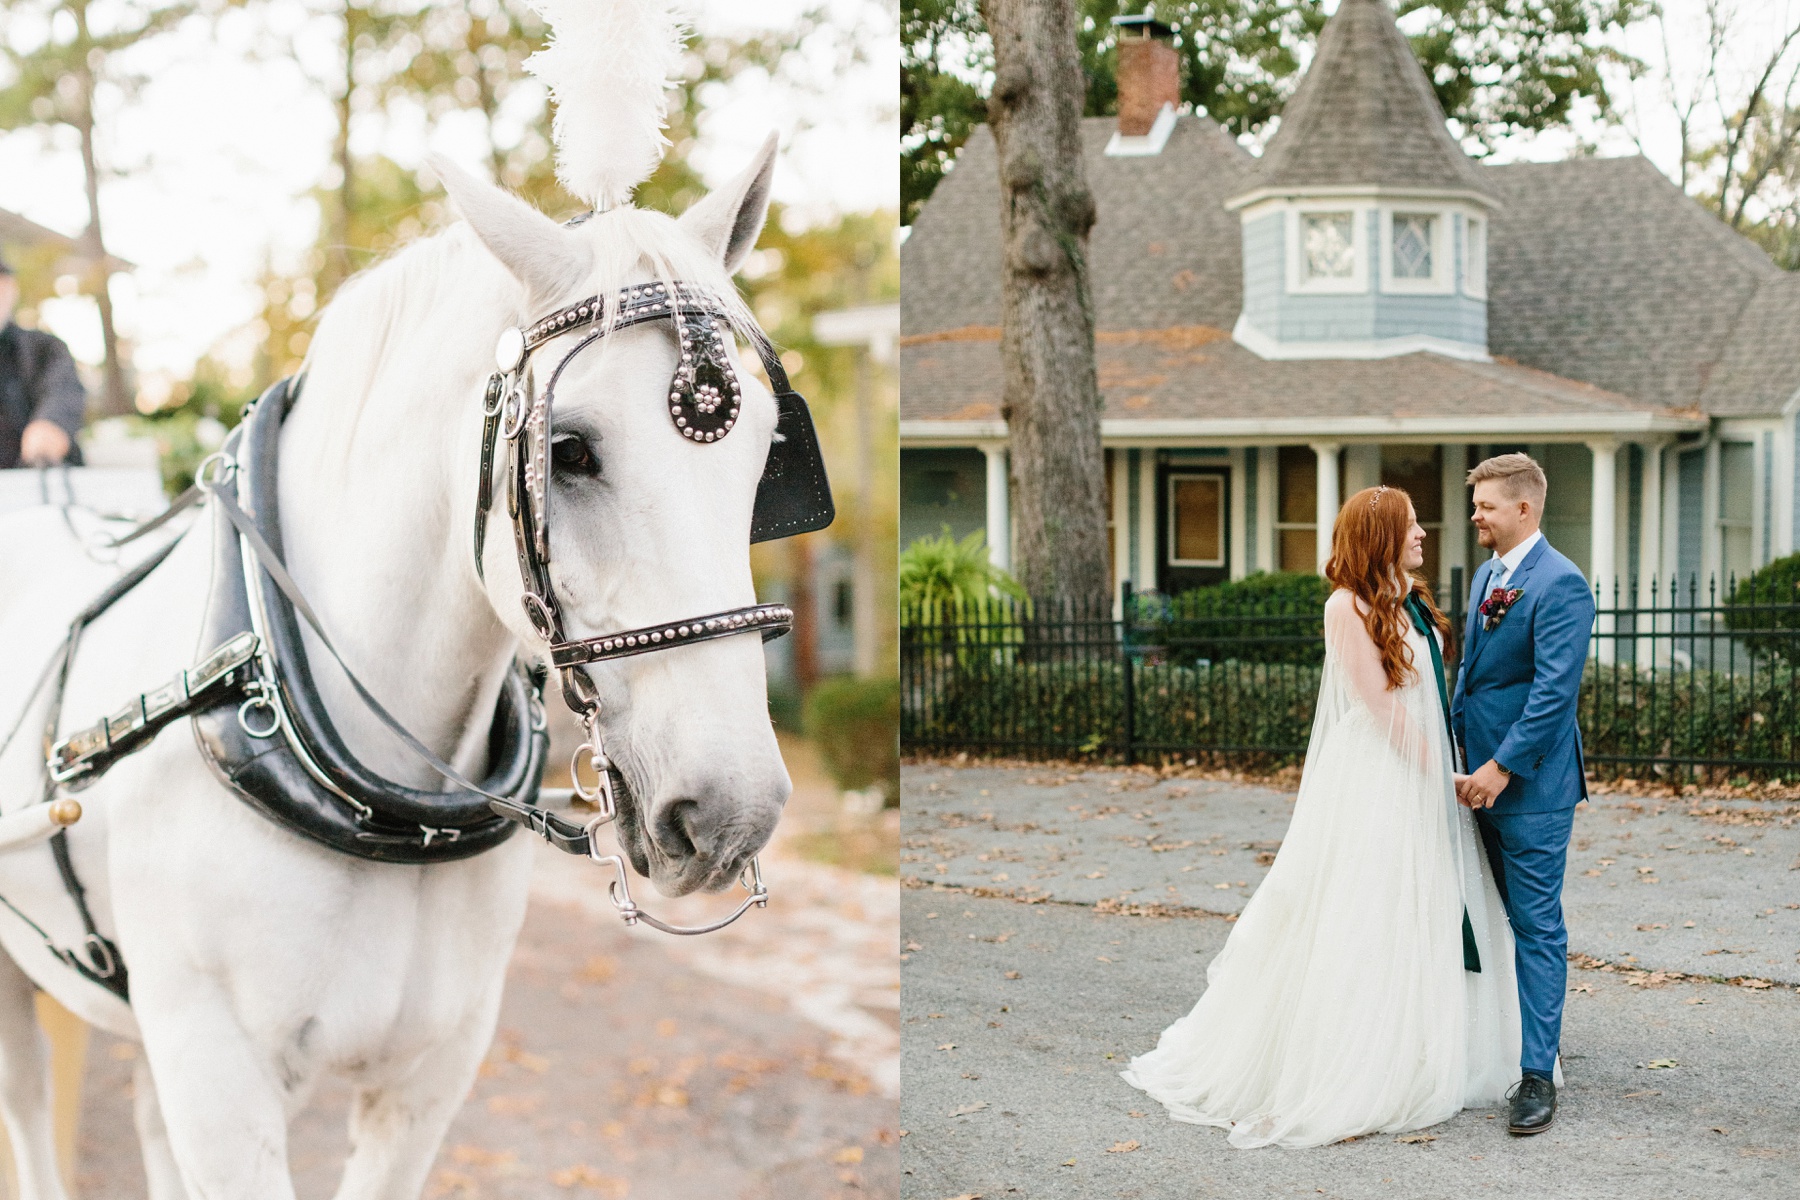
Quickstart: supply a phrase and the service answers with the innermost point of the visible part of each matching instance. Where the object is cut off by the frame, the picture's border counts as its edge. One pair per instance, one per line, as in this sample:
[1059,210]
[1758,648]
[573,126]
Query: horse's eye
[572,455]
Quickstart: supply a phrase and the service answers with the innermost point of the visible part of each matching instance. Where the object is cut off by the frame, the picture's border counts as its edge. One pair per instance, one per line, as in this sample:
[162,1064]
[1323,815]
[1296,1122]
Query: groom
[1514,716]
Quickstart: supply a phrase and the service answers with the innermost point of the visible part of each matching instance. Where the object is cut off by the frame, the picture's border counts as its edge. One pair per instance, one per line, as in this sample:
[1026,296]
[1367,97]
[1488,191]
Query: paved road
[1016,1016]
[1640,870]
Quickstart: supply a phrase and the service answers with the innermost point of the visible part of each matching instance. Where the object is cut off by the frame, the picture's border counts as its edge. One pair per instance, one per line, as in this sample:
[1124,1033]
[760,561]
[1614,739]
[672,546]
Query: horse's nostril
[675,827]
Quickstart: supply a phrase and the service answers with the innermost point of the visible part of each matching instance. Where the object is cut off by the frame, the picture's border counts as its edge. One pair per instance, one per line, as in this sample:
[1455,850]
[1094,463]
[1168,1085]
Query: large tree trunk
[1051,400]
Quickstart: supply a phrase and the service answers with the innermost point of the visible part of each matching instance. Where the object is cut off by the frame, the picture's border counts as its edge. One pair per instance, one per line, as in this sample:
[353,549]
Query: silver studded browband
[772,619]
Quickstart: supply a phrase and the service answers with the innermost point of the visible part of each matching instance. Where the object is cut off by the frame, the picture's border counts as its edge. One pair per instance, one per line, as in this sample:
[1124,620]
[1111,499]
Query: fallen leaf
[582,1175]
[1687,924]
[1635,1095]
[1583,987]
[966,1109]
[1648,928]
[966,1196]
[1659,1064]
[1012,974]
[948,1046]
[849,1154]
[1122,1147]
[1696,1000]
[1095,875]
[1068,1162]
[1134,1113]
[1593,871]
[1413,1139]
[1717,1129]
[1756,984]
[1101,958]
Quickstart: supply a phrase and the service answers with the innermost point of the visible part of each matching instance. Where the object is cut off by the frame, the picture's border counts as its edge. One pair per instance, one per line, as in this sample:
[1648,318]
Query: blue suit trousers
[1529,854]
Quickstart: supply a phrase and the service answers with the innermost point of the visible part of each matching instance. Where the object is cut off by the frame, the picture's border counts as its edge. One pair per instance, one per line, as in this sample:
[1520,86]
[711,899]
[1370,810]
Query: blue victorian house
[1363,304]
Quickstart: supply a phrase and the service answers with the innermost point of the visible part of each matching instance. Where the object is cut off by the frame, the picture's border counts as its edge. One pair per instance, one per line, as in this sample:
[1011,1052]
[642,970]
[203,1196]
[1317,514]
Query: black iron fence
[1685,681]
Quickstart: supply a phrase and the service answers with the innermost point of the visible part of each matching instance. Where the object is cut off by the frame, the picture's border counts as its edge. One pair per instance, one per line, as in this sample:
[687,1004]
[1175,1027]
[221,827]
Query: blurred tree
[61,57]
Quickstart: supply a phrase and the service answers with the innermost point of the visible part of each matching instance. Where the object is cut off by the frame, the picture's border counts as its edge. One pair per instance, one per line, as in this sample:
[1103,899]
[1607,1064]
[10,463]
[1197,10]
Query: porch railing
[1682,681]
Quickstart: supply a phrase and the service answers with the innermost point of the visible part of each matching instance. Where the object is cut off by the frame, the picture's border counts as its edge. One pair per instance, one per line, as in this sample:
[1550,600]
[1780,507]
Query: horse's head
[647,525]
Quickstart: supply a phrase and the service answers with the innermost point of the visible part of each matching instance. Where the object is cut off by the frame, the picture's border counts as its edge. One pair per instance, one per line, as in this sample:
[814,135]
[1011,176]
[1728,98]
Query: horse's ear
[729,220]
[542,255]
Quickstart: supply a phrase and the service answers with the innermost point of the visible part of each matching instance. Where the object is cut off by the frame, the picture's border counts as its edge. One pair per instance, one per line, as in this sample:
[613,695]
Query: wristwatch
[1503,770]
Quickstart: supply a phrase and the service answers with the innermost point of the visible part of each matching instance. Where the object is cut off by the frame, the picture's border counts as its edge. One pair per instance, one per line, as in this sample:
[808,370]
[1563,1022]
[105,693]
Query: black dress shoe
[1533,1105]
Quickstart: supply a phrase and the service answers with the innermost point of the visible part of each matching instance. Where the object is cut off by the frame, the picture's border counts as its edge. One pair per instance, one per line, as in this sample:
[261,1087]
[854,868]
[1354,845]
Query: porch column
[1453,550]
[999,527]
[1121,522]
[1604,529]
[1652,581]
[1327,504]
[1650,506]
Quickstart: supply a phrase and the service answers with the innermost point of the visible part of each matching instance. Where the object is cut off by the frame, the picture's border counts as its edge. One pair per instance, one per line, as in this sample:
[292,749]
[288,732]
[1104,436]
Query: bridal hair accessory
[1497,605]
[1376,498]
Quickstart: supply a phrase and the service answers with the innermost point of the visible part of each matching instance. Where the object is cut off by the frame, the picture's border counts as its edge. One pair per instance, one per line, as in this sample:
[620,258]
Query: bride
[1368,986]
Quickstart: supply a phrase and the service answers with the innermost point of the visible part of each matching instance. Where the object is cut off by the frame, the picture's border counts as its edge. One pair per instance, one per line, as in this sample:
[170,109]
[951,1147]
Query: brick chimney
[1149,73]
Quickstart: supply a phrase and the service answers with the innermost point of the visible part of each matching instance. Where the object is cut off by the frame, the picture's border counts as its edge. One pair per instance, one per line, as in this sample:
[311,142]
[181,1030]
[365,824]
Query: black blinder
[793,495]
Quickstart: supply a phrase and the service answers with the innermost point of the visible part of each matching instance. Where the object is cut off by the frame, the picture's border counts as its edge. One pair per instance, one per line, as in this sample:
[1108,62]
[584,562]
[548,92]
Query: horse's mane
[447,287]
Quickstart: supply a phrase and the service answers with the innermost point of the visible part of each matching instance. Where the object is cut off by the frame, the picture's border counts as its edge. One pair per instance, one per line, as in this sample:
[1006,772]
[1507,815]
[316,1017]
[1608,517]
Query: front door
[1192,520]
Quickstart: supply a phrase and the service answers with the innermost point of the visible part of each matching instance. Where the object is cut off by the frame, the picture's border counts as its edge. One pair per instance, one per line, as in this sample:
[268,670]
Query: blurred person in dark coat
[41,398]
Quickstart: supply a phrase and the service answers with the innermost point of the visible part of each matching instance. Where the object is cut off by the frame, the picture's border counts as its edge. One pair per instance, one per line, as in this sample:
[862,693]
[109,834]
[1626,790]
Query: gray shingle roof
[1156,248]
[1198,372]
[1365,114]
[1599,270]
[1760,371]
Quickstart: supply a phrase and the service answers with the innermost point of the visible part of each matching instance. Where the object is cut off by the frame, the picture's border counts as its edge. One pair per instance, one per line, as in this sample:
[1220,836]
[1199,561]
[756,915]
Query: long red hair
[1367,542]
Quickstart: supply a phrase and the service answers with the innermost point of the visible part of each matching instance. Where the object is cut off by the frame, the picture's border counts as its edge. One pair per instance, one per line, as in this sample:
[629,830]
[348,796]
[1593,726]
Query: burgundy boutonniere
[1497,605]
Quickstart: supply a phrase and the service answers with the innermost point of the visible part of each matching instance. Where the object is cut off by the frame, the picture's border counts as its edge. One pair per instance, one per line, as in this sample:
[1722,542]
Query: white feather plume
[609,66]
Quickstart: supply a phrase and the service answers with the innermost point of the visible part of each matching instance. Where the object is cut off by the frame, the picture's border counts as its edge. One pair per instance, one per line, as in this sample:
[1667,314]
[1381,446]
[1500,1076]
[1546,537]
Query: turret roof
[1365,115]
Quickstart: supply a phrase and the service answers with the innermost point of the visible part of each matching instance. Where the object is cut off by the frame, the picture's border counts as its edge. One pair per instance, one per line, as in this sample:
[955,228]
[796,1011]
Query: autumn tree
[61,58]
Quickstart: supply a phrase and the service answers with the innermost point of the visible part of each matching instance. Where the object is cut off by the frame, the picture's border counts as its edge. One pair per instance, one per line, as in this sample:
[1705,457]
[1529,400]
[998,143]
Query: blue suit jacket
[1518,685]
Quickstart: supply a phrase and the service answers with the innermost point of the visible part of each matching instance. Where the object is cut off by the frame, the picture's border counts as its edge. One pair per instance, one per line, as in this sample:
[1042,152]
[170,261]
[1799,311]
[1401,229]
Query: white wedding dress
[1340,1004]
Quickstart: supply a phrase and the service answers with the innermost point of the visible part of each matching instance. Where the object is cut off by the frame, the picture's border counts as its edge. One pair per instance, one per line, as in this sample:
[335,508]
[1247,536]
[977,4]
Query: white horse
[260,961]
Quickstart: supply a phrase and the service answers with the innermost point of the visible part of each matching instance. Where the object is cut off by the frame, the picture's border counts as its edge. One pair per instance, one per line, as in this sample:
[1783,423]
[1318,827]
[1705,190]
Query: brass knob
[65,811]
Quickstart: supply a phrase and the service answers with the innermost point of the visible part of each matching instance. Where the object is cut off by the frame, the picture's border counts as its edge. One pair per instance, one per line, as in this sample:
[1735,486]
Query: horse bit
[704,397]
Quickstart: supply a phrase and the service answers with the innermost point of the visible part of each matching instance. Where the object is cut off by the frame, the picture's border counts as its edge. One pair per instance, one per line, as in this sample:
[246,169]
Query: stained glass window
[1412,245]
[1330,249]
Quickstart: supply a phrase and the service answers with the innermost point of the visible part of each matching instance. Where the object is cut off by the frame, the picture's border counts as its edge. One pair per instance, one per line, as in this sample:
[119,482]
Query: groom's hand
[1481,789]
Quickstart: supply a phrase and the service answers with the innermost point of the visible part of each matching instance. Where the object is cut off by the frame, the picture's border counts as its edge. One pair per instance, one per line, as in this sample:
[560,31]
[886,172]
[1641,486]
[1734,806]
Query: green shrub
[1001,705]
[1740,717]
[1769,599]
[998,704]
[941,572]
[1270,617]
[855,722]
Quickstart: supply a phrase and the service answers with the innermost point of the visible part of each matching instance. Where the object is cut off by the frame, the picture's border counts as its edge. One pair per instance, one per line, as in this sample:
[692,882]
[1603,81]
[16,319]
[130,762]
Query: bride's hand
[1460,781]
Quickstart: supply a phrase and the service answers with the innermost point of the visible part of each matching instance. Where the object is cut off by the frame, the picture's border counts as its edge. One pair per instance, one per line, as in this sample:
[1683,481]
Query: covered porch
[1633,498]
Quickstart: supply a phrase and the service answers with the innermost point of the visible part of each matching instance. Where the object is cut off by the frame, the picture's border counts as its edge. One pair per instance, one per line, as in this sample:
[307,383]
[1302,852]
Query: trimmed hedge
[1002,704]
[1769,600]
[1267,617]
[1628,711]
[1005,704]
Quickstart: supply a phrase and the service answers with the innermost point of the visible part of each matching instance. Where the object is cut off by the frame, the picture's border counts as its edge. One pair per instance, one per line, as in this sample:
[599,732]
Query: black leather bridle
[704,398]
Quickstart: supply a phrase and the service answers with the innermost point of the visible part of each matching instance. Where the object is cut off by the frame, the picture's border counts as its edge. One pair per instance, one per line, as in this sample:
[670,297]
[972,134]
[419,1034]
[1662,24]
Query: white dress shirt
[1509,562]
